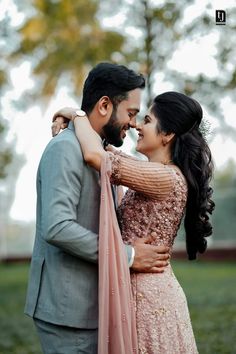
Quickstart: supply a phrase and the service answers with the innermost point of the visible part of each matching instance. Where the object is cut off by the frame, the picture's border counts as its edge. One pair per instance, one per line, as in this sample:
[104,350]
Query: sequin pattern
[163,321]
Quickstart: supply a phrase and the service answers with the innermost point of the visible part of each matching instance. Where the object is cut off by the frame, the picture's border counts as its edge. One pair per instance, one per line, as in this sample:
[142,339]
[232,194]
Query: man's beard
[112,130]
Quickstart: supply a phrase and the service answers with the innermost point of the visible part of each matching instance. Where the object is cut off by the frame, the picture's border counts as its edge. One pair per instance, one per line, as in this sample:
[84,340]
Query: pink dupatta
[117,327]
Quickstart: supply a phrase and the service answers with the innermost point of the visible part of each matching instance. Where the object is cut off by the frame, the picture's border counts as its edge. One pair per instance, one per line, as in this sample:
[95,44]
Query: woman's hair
[182,115]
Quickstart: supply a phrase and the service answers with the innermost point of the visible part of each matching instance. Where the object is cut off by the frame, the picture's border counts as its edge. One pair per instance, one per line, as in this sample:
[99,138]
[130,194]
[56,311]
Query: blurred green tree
[5,149]
[225,198]
[10,161]
[164,27]
[63,37]
[226,177]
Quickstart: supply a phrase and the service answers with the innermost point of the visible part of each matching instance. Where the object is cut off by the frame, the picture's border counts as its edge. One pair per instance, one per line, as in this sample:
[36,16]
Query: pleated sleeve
[152,179]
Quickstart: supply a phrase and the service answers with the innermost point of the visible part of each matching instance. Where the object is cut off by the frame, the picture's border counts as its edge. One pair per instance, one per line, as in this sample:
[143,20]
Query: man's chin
[117,143]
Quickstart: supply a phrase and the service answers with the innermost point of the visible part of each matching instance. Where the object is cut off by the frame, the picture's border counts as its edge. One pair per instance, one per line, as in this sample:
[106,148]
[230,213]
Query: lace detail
[163,322]
[116,169]
[151,179]
[139,217]
[162,316]
[122,154]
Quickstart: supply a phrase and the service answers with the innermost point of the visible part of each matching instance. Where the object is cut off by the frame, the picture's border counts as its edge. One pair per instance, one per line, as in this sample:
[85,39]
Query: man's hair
[112,80]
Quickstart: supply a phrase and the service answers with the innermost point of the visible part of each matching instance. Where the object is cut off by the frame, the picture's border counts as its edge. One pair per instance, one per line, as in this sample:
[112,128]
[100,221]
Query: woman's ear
[105,106]
[167,138]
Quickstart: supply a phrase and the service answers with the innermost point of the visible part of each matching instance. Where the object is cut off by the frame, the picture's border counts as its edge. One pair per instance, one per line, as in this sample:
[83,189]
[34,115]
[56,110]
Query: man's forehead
[136,93]
[133,109]
[134,99]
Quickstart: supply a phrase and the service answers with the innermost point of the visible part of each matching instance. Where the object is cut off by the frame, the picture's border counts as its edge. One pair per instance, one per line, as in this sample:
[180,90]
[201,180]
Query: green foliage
[210,289]
[224,215]
[226,177]
[224,196]
[161,35]
[163,30]
[3,77]
[5,151]
[65,37]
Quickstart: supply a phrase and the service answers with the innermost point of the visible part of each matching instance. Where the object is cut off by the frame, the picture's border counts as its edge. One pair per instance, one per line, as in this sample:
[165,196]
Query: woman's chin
[141,148]
[138,148]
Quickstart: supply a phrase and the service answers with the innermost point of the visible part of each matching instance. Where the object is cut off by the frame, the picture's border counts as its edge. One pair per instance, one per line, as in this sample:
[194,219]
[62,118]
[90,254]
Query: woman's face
[149,140]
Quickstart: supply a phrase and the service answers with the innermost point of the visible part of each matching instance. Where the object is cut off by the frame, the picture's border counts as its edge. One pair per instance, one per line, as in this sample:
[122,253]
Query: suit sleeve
[60,178]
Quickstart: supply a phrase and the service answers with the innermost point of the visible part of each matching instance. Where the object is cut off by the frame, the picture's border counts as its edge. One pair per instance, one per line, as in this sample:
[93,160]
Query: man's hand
[149,258]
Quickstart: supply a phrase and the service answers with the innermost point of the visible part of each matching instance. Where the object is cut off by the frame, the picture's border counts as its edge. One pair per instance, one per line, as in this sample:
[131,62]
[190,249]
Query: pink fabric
[117,326]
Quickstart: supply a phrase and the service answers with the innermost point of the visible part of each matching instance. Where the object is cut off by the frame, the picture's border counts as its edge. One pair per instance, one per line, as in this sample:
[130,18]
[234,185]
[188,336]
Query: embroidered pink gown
[154,205]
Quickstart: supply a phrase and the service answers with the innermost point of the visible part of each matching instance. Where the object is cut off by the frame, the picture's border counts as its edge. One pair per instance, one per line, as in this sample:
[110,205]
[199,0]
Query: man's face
[122,118]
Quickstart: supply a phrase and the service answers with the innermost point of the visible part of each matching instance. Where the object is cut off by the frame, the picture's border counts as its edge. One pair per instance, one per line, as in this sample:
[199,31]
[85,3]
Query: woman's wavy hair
[182,115]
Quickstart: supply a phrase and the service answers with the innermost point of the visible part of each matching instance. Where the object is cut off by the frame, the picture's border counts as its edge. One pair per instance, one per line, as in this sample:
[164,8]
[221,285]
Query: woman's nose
[138,126]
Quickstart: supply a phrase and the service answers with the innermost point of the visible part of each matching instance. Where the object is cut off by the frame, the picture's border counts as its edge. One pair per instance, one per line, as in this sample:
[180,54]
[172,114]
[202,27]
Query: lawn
[210,289]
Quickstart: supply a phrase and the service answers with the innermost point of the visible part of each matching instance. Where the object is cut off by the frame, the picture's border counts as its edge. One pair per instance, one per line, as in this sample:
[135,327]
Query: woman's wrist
[78,113]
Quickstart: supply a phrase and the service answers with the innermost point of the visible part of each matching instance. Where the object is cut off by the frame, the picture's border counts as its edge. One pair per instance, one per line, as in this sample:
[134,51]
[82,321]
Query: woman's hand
[58,124]
[61,119]
[110,148]
[66,112]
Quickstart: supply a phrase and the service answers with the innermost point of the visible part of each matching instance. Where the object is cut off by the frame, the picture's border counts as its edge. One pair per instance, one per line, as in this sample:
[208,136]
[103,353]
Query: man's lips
[124,130]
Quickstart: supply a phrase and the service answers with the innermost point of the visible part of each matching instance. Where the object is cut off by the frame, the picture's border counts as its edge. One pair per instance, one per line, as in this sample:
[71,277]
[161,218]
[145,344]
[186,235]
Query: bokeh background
[47,48]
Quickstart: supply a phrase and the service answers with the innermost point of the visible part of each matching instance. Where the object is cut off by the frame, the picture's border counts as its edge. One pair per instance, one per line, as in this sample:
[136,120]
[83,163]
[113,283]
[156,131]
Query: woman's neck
[160,156]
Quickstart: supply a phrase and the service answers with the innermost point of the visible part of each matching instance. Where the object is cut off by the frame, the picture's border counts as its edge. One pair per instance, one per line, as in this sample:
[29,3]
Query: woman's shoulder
[178,176]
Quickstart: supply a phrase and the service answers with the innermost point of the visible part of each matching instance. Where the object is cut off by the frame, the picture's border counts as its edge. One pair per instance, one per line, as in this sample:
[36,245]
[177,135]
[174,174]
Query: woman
[174,181]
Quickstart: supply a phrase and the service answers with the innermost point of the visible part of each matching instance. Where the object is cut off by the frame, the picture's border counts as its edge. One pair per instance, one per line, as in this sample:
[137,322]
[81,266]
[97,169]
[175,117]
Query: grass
[211,292]
[17,332]
[210,289]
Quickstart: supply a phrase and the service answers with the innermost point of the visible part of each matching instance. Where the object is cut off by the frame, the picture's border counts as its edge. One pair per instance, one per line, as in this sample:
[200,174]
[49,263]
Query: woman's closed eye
[146,119]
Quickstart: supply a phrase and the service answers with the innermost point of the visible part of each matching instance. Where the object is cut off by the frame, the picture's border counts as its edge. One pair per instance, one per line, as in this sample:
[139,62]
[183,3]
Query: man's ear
[105,106]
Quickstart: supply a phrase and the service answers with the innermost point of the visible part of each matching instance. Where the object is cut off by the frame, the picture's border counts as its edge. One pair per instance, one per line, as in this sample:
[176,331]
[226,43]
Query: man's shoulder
[66,138]
[66,135]
[62,146]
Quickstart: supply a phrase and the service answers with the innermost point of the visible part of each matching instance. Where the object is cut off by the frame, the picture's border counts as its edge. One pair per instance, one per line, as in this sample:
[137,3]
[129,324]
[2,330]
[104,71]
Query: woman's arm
[90,141]
[151,179]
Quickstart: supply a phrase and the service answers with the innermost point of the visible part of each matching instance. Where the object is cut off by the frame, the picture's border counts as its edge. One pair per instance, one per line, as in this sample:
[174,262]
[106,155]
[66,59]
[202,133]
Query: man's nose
[132,122]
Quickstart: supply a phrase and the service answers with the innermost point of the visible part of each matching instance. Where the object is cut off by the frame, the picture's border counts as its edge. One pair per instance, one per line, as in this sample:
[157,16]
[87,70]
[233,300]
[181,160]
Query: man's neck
[96,124]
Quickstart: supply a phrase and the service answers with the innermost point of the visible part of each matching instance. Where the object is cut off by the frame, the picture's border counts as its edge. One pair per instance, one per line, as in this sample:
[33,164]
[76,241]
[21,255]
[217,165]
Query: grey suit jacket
[63,283]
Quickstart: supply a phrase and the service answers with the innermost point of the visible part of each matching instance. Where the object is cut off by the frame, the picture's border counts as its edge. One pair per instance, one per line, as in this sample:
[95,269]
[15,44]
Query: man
[62,295]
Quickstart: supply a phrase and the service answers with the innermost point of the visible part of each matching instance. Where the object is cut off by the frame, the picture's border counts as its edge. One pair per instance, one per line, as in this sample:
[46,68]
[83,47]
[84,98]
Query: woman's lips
[140,136]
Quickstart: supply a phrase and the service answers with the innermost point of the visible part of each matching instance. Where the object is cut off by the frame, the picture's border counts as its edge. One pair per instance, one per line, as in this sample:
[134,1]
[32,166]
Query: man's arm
[146,258]
[60,177]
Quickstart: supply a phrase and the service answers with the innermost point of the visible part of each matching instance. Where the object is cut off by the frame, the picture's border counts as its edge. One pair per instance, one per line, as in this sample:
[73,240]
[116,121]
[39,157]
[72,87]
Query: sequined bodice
[153,206]
[140,216]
